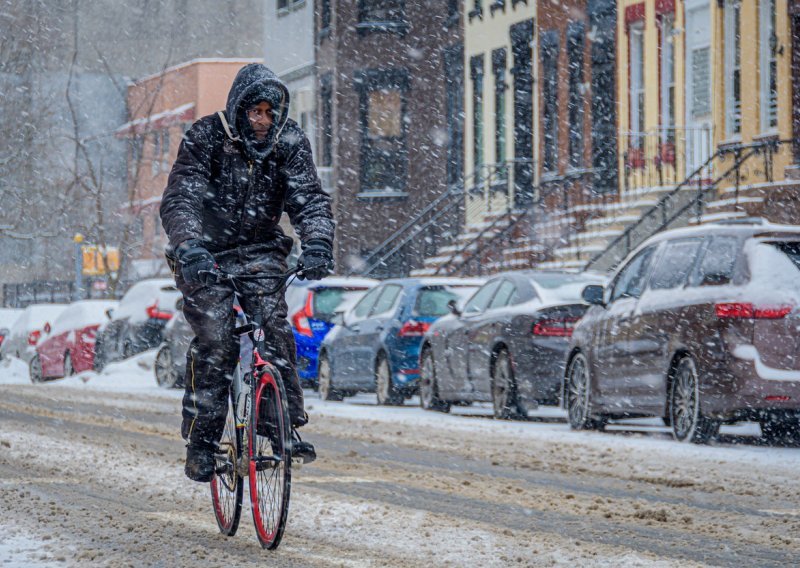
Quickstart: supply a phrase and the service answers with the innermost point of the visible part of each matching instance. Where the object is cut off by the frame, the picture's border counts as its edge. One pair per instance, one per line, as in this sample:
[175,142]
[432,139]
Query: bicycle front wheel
[269,450]
[227,486]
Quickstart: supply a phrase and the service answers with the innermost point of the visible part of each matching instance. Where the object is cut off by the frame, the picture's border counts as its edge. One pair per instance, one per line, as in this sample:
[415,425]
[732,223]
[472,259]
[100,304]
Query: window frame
[476,70]
[576,46]
[549,53]
[365,25]
[768,65]
[509,298]
[367,82]
[376,292]
[500,72]
[695,279]
[732,68]
[636,88]
[667,74]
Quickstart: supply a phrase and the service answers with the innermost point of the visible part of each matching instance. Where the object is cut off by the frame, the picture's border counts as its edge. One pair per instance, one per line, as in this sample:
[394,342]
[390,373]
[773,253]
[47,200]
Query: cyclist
[235,174]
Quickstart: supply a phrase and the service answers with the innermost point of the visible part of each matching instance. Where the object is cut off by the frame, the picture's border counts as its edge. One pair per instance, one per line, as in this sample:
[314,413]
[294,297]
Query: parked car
[170,363]
[68,347]
[374,347]
[8,317]
[28,329]
[508,345]
[698,326]
[137,324]
[312,321]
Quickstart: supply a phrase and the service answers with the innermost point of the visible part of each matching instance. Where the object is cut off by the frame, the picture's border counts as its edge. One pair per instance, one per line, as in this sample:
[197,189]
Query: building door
[698,84]
[522,52]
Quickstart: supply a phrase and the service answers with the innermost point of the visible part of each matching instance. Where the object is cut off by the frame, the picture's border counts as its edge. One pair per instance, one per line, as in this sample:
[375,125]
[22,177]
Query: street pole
[78,239]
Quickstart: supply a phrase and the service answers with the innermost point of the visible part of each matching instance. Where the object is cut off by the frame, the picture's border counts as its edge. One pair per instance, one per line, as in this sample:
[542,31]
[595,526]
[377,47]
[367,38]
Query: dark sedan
[508,345]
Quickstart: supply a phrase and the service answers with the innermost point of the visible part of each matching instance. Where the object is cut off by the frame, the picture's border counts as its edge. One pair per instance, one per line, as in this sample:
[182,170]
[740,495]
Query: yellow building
[664,91]
[753,106]
[499,104]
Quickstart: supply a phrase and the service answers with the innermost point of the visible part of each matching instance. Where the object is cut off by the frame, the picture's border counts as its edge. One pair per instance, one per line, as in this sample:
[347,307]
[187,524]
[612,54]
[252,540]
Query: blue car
[311,315]
[375,346]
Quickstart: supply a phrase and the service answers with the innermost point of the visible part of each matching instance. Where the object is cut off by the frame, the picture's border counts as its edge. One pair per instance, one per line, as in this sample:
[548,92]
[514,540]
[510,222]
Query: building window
[383,121]
[522,71]
[326,111]
[733,70]
[603,70]
[454,86]
[382,15]
[286,4]
[636,38]
[452,11]
[477,11]
[667,80]
[324,15]
[768,44]
[499,69]
[476,74]
[576,40]
[549,50]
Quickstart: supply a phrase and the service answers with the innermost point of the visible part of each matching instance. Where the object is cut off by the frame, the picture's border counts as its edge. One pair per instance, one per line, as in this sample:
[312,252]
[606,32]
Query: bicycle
[256,443]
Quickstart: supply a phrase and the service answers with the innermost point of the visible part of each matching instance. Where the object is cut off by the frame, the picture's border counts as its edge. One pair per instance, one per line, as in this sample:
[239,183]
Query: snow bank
[14,371]
[134,375]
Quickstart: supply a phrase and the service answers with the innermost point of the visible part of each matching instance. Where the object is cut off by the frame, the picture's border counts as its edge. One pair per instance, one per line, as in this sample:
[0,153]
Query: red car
[68,346]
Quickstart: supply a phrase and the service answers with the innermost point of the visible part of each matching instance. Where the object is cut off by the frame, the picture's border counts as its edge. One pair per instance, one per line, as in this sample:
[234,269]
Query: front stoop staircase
[470,246]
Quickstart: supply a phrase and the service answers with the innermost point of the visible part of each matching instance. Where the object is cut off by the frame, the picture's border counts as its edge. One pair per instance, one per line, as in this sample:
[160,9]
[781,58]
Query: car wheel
[69,370]
[164,368]
[504,388]
[428,389]
[326,390]
[388,395]
[685,406]
[35,370]
[579,396]
[780,430]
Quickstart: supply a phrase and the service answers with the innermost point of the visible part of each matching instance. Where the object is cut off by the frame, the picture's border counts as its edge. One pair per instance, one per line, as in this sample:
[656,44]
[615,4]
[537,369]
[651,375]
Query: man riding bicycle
[236,172]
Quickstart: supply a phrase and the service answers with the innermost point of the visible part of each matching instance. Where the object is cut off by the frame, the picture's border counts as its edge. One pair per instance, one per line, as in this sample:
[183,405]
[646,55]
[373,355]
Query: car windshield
[327,300]
[432,301]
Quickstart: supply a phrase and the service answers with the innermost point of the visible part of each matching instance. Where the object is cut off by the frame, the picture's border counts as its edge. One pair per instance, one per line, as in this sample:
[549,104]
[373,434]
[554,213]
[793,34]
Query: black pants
[214,352]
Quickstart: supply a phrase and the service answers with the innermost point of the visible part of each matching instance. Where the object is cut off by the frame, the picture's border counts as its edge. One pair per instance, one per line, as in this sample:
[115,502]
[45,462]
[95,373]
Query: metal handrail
[754,149]
[457,191]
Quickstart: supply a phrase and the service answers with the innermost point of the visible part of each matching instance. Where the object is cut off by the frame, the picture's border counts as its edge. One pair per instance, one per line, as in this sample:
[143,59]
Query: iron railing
[687,199]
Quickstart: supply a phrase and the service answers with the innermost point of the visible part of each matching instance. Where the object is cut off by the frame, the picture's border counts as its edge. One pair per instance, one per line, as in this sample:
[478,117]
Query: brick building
[389,119]
[162,107]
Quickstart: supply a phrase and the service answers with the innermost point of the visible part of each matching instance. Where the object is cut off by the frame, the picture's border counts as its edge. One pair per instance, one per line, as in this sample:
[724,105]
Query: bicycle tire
[227,488]
[270,478]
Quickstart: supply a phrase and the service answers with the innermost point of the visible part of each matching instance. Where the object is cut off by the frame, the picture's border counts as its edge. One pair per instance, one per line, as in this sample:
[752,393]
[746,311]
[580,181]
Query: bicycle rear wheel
[227,486]
[269,450]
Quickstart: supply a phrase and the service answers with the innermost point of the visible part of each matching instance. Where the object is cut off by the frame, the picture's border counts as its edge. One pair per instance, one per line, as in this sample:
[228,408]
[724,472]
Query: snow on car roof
[35,316]
[345,282]
[82,314]
[9,316]
[143,294]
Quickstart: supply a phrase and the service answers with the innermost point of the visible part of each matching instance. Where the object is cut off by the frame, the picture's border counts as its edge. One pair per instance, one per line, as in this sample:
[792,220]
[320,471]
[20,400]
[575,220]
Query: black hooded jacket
[230,190]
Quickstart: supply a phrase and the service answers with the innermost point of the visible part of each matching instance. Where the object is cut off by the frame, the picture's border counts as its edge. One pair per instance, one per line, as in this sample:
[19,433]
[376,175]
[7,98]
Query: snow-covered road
[91,474]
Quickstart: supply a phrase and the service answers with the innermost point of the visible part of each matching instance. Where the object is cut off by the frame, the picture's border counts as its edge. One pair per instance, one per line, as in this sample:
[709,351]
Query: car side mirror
[179,304]
[593,295]
[452,305]
[110,313]
[47,328]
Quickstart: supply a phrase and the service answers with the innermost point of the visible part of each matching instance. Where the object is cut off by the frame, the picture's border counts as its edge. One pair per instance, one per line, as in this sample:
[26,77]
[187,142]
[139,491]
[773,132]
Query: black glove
[316,260]
[194,258]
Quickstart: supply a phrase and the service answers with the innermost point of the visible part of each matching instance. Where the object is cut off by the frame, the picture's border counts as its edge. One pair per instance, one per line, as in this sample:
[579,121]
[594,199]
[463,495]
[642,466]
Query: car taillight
[414,328]
[554,327]
[2,337]
[744,310]
[33,337]
[154,313]
[300,319]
